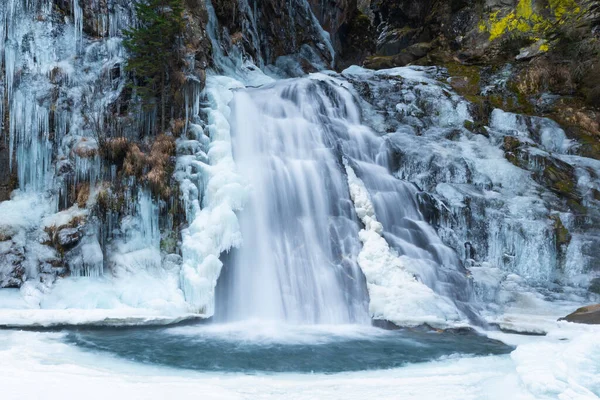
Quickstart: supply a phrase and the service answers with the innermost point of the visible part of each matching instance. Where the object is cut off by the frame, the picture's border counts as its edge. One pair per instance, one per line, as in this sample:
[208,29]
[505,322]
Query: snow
[571,370]
[564,365]
[23,211]
[394,294]
[36,318]
[131,299]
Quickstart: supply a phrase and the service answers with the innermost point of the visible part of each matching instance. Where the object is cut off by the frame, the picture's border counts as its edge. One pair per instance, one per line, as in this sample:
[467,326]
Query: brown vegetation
[153,167]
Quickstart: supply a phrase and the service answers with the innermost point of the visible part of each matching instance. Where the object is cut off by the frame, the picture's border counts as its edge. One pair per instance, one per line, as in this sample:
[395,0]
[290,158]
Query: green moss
[561,8]
[524,19]
[561,233]
[465,79]
[380,62]
[517,103]
[590,146]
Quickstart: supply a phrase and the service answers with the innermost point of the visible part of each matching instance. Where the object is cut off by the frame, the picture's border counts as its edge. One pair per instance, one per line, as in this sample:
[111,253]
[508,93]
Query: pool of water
[259,347]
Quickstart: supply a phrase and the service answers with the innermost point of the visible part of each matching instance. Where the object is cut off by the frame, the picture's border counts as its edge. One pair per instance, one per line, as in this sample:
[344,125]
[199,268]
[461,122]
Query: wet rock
[595,286]
[12,271]
[334,15]
[538,48]
[8,178]
[585,315]
[405,57]
[397,40]
[560,178]
[69,237]
[271,29]
[357,38]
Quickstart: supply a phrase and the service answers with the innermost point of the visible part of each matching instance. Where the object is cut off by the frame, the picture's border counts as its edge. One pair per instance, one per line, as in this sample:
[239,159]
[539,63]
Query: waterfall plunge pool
[264,347]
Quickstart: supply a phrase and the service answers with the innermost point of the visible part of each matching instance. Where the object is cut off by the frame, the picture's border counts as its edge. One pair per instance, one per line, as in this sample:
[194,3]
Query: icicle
[78,23]
[325,36]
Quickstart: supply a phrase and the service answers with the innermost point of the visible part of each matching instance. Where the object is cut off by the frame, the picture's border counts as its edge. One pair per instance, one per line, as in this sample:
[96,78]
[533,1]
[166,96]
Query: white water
[298,258]
[289,140]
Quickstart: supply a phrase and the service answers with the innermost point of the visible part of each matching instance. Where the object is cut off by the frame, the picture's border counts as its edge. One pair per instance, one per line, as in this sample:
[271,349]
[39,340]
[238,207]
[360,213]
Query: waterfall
[302,255]
[298,261]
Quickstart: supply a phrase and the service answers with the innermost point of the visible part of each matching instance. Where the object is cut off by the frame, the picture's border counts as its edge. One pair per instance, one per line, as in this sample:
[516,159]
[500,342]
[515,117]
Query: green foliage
[154,48]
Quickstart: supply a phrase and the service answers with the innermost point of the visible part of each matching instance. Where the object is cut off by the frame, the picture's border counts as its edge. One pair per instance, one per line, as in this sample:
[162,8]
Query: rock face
[268,30]
[7,179]
[552,46]
[350,27]
[535,59]
[585,315]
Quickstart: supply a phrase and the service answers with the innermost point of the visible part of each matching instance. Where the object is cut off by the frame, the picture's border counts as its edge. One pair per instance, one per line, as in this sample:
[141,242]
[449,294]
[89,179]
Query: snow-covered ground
[563,365]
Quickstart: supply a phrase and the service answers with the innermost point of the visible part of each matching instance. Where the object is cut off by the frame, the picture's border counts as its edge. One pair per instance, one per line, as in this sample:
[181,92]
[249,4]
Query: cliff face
[552,46]
[311,31]
[87,158]
[265,31]
[74,142]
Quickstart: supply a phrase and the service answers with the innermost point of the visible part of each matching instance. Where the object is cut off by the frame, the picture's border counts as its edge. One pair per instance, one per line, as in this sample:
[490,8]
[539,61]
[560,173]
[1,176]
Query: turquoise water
[263,347]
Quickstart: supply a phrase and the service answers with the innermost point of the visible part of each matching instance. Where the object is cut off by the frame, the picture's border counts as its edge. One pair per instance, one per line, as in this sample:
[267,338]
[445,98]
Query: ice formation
[214,226]
[57,80]
[318,199]
[395,295]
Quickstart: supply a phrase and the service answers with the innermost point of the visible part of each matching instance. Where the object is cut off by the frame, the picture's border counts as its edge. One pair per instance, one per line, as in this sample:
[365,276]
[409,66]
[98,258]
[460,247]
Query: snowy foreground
[563,365]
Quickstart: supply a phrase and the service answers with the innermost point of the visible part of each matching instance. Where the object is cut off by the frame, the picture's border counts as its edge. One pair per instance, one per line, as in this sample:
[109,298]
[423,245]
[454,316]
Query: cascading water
[298,259]
[301,253]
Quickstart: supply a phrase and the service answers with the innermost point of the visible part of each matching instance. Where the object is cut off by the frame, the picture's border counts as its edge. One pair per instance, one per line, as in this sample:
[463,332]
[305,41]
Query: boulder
[585,315]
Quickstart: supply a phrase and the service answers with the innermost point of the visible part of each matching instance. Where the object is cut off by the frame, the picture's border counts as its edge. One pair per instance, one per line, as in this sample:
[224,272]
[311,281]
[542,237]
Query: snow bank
[37,318]
[24,211]
[541,368]
[564,366]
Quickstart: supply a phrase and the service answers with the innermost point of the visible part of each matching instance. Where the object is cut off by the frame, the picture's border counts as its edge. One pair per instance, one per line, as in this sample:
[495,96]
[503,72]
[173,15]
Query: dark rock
[8,178]
[64,167]
[511,144]
[385,324]
[548,171]
[283,28]
[405,57]
[595,286]
[69,237]
[12,271]
[357,38]
[585,315]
